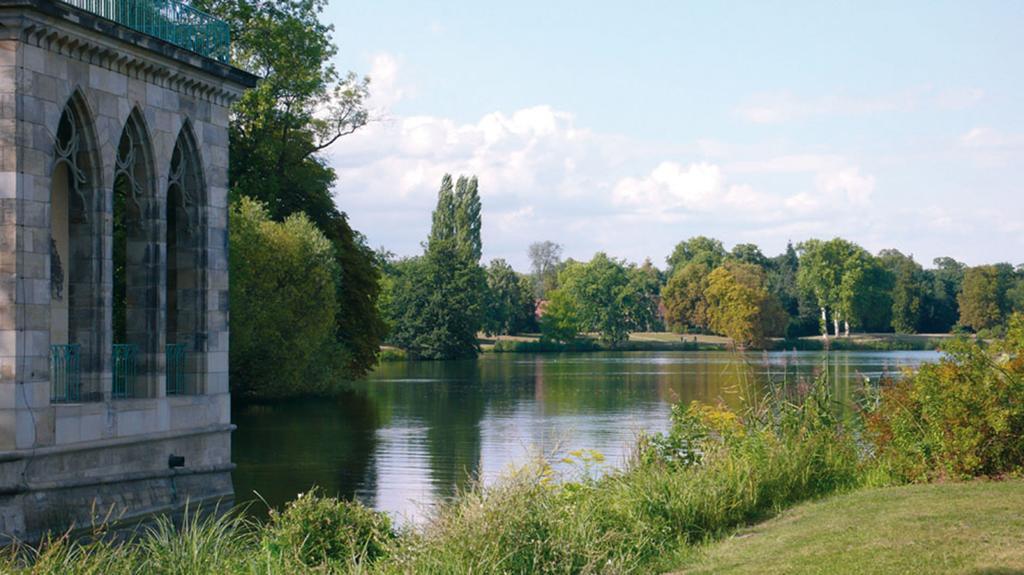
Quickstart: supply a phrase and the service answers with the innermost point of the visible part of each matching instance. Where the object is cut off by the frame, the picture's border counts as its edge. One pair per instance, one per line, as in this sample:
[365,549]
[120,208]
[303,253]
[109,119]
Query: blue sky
[626,127]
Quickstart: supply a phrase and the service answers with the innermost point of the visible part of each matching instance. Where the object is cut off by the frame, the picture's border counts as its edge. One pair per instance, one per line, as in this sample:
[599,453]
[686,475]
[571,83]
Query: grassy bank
[975,527]
[716,470]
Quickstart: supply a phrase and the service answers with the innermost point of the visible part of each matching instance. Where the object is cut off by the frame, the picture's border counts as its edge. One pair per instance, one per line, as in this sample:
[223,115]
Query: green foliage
[467,217]
[983,301]
[324,531]
[641,297]
[908,291]
[509,300]
[278,132]
[434,304]
[283,286]
[702,250]
[560,321]
[740,307]
[604,299]
[683,298]
[962,417]
[864,292]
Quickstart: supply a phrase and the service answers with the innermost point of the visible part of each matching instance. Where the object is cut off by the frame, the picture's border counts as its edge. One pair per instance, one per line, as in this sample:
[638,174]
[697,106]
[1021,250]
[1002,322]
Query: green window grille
[175,354]
[125,369]
[65,373]
[168,20]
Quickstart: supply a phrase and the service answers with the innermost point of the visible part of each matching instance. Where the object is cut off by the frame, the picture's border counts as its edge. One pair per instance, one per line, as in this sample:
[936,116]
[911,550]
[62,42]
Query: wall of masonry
[46,61]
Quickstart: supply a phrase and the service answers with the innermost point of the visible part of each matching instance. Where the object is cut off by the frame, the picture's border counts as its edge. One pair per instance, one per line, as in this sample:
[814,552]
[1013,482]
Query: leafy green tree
[640,297]
[865,300]
[749,254]
[435,302]
[509,301]
[280,129]
[909,291]
[740,306]
[560,320]
[545,261]
[442,228]
[699,249]
[821,274]
[283,282]
[467,217]
[683,298]
[983,301]
[942,310]
[781,274]
[599,290]
[1015,295]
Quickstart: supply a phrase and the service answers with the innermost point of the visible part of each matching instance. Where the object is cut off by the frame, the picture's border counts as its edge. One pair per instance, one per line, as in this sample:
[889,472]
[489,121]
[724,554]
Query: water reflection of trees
[282,450]
[425,423]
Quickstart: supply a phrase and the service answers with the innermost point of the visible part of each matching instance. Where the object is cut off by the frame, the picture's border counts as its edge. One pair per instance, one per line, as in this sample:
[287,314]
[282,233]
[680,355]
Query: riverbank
[668,341]
[973,527]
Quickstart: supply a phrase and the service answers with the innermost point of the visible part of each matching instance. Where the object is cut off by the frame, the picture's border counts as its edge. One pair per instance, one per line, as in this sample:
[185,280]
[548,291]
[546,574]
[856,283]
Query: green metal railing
[175,354]
[65,373]
[169,20]
[126,357]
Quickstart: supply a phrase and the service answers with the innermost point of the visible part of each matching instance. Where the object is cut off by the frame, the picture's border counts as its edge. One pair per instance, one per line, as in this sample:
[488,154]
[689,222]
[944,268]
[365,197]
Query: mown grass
[972,527]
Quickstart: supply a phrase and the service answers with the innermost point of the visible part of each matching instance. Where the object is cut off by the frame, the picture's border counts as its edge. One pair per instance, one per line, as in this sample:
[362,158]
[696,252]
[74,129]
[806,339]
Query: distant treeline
[436,303]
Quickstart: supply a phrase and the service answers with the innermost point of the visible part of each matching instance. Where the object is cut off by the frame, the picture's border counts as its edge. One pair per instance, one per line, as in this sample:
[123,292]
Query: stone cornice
[83,36]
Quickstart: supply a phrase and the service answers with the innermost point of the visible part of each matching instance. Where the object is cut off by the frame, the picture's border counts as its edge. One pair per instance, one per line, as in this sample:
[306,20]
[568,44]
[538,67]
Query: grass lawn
[975,527]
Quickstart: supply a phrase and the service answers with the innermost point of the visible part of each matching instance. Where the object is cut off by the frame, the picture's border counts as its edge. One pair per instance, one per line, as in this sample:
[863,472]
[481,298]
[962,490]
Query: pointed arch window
[135,262]
[75,311]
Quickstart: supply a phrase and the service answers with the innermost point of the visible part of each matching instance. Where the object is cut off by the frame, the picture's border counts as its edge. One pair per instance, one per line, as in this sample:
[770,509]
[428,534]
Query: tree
[599,290]
[781,275]
[283,282]
[864,293]
[683,298]
[942,310]
[545,260]
[740,307]
[467,217]
[435,303]
[278,132]
[640,297]
[560,321]
[821,273]
[983,302]
[910,288]
[749,254]
[699,249]
[509,302]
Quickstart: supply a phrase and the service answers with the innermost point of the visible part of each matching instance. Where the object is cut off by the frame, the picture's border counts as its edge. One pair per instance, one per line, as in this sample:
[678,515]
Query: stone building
[113,260]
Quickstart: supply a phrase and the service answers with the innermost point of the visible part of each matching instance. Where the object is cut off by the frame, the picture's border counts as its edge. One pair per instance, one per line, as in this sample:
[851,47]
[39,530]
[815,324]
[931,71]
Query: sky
[626,127]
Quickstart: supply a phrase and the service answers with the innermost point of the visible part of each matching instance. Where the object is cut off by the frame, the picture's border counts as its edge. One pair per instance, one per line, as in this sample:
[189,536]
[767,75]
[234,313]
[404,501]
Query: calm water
[418,431]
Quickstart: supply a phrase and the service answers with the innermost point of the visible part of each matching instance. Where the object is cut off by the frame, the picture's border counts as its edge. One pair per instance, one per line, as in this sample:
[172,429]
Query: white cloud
[782,107]
[385,89]
[544,176]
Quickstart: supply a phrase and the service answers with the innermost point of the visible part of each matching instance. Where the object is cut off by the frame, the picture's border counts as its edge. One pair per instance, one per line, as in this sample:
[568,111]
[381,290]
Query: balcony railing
[65,373]
[175,355]
[171,21]
[126,357]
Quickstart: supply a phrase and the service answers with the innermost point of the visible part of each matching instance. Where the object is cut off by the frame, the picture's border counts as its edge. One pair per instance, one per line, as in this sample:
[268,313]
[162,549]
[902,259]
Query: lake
[414,433]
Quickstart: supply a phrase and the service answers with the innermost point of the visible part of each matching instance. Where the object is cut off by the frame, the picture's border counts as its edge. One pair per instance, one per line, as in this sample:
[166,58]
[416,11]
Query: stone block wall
[54,457]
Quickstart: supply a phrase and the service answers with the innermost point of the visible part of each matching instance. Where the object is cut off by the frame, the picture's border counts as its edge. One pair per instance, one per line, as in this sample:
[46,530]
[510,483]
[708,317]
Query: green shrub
[327,531]
[961,417]
[283,305]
